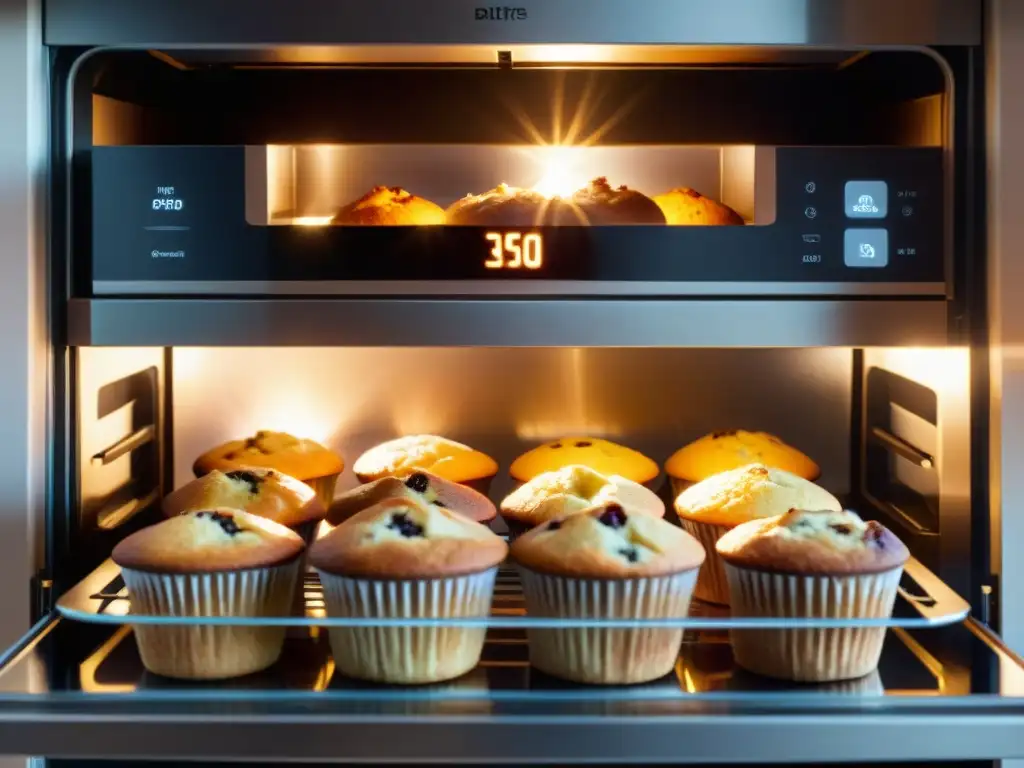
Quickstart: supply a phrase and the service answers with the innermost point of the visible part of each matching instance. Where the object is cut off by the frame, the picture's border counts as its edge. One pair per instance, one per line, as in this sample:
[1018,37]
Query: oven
[507,225]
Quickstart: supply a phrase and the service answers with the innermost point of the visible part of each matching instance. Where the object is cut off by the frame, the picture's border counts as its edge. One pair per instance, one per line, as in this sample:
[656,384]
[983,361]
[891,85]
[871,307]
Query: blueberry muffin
[403,558]
[731,449]
[214,562]
[263,492]
[573,489]
[439,455]
[425,487]
[601,455]
[687,207]
[306,460]
[607,563]
[812,564]
[389,207]
[718,504]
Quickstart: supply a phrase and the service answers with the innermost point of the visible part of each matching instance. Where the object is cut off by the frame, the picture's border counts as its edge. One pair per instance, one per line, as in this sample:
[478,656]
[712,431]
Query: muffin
[424,487]
[205,563]
[259,491]
[438,455]
[730,449]
[303,459]
[610,564]
[573,489]
[714,506]
[406,559]
[688,207]
[806,564]
[506,206]
[389,207]
[602,456]
[602,205]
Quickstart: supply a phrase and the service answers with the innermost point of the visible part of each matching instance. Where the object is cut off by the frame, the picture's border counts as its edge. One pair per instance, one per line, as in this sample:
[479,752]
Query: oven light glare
[562,174]
[311,221]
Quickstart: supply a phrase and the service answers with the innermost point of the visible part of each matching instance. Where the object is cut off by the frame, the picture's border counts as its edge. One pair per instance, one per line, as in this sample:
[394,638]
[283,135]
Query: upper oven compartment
[482,173]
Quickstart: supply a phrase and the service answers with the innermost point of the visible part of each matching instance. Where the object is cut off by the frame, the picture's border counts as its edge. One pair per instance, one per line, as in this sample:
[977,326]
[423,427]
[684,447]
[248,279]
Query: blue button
[866,199]
[866,247]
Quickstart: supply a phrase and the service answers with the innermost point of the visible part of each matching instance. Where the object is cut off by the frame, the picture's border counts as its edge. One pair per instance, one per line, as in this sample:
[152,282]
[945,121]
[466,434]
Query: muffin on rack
[403,558]
[438,455]
[601,455]
[389,207]
[207,563]
[507,206]
[611,564]
[304,459]
[601,204]
[718,504]
[572,489]
[728,449]
[424,487]
[259,491]
[688,207]
[808,564]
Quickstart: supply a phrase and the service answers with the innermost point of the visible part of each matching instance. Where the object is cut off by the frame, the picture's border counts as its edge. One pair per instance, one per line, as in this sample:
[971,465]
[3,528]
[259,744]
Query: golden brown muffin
[601,455]
[208,541]
[303,459]
[425,487]
[506,206]
[404,538]
[263,492]
[606,542]
[823,542]
[730,449]
[389,207]
[438,455]
[688,207]
[602,205]
[572,489]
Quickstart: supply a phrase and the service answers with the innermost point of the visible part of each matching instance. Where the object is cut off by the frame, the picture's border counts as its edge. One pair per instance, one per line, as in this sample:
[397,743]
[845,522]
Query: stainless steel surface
[1005,124]
[526,323]
[503,288]
[154,23]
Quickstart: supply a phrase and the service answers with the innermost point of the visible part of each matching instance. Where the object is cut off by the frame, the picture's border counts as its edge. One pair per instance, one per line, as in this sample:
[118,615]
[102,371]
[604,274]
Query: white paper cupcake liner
[206,652]
[712,585]
[811,655]
[607,656]
[408,655]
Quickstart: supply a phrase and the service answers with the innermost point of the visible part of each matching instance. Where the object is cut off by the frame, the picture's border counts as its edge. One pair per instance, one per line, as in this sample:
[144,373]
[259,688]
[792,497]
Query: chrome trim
[506,322]
[157,23]
[484,288]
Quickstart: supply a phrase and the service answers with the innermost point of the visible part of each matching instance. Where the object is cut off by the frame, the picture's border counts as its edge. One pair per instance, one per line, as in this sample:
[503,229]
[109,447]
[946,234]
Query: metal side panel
[838,23]
[506,323]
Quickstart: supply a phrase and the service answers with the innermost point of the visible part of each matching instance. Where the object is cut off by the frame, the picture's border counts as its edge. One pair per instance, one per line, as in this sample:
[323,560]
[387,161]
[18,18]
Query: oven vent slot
[901,447]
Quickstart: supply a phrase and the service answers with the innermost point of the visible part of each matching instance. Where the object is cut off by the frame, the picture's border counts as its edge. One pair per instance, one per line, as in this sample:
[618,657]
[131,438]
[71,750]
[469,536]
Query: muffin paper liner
[205,652]
[811,655]
[607,656]
[678,486]
[712,585]
[408,654]
[324,487]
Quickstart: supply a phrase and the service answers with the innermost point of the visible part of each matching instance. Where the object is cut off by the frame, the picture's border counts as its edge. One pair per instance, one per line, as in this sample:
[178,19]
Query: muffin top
[425,487]
[259,491]
[389,206]
[603,456]
[504,205]
[439,455]
[407,539]
[748,493]
[301,458]
[606,542]
[573,489]
[603,204]
[684,206]
[208,541]
[734,448]
[824,542]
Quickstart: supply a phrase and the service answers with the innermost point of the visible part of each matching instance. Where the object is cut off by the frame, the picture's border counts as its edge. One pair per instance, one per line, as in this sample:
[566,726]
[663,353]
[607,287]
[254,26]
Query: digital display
[168,203]
[515,250]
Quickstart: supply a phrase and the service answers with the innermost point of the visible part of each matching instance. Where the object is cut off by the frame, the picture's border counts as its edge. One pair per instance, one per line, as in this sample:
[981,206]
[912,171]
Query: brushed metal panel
[155,23]
[497,323]
[504,401]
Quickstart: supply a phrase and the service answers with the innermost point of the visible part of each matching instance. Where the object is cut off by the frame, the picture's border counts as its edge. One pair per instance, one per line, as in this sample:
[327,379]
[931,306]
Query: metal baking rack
[924,602]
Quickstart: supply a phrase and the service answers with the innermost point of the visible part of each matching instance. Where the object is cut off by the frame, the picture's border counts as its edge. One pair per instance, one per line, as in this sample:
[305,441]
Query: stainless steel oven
[637,222]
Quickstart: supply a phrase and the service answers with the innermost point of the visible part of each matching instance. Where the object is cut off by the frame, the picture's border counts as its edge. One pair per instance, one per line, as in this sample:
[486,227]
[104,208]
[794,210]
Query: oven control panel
[829,221]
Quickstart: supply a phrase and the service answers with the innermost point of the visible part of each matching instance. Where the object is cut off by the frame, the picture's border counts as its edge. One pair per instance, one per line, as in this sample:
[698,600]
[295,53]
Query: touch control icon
[866,199]
[865,204]
[866,247]
[810,212]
